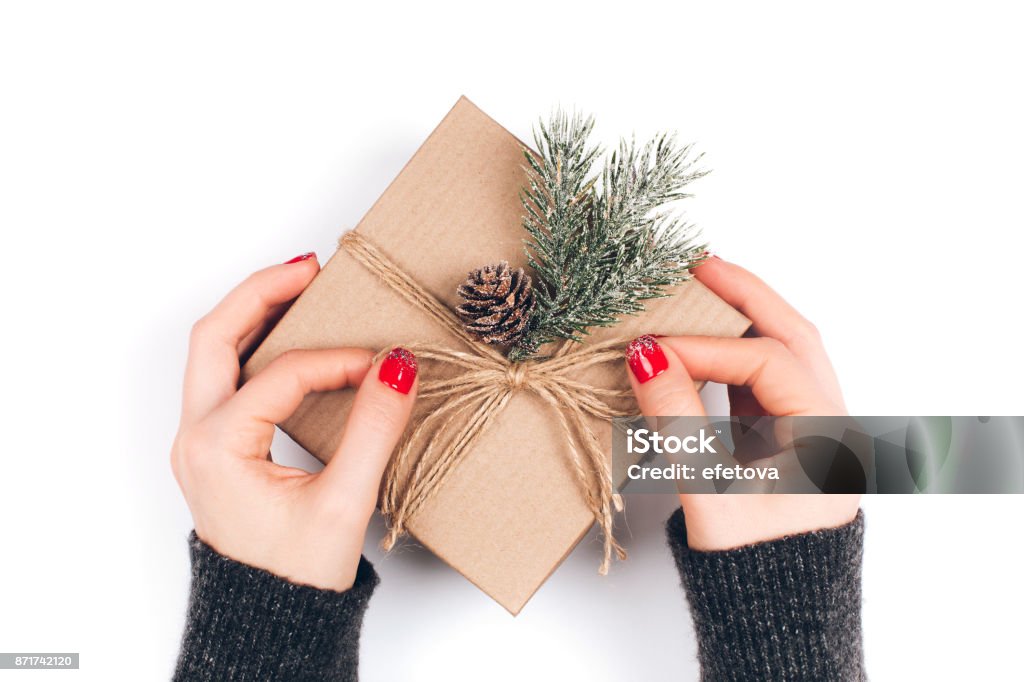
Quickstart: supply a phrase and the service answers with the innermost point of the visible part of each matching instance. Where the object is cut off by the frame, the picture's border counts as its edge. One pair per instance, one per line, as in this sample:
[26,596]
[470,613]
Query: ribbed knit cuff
[247,624]
[787,609]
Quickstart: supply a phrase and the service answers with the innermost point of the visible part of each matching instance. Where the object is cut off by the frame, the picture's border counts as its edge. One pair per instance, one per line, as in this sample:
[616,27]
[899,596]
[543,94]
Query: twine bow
[471,400]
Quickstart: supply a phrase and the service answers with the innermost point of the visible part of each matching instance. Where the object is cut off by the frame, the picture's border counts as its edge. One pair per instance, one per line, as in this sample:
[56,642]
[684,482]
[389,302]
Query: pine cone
[498,303]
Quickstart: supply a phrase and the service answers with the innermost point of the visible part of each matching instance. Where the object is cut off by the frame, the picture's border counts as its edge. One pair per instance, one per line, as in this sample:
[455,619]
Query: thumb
[378,418]
[662,386]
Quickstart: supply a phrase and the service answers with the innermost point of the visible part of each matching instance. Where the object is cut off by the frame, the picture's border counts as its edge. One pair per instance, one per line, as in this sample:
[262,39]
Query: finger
[741,399]
[779,382]
[247,346]
[211,373]
[771,315]
[742,402]
[378,418]
[661,383]
[276,391]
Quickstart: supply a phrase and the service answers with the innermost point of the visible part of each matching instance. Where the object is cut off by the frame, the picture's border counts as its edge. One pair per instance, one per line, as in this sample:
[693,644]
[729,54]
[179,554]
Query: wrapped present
[505,465]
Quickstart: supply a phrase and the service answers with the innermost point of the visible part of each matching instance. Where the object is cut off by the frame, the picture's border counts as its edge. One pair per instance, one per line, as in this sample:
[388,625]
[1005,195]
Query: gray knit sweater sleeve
[788,609]
[244,623]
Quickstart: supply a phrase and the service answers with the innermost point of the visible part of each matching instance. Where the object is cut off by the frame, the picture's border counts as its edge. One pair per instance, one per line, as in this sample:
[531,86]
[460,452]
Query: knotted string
[477,394]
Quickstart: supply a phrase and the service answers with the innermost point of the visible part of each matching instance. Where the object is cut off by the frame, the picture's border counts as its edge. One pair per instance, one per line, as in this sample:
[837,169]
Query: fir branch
[603,242]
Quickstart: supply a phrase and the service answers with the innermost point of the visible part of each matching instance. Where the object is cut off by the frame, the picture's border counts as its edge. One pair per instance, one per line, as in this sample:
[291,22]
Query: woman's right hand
[306,527]
[782,370]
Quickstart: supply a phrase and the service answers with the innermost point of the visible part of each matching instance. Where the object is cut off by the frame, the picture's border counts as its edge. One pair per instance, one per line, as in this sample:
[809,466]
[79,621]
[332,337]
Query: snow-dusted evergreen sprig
[602,241]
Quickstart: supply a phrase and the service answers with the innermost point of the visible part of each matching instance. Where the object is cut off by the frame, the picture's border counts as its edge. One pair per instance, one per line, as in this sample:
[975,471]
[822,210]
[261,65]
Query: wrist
[722,522]
[298,558]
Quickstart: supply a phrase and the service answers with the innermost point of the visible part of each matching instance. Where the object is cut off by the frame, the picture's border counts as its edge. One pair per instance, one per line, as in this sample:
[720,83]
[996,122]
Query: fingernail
[646,358]
[716,256]
[302,257]
[399,370]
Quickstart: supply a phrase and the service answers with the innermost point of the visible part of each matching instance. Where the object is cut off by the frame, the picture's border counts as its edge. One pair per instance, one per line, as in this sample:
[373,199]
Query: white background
[867,163]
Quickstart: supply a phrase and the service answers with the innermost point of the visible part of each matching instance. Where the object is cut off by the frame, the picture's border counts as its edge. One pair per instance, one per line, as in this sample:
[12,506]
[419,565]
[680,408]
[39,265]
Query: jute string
[472,399]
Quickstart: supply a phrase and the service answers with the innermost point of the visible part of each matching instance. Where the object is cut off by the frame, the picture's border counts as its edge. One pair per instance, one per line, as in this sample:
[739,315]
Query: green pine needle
[602,242]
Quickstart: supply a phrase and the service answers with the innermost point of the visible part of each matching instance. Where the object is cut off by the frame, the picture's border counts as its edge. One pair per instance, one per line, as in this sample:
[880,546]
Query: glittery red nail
[399,370]
[646,358]
[302,257]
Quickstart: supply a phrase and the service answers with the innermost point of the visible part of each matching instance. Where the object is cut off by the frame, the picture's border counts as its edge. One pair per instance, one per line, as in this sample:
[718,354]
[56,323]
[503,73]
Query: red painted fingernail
[300,258]
[646,358]
[399,370]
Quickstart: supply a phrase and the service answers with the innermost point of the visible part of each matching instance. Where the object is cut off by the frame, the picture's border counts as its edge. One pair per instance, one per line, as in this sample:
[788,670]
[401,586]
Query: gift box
[514,501]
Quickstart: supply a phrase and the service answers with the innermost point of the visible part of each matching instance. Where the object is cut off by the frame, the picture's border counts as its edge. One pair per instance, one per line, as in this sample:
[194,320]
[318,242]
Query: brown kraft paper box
[513,509]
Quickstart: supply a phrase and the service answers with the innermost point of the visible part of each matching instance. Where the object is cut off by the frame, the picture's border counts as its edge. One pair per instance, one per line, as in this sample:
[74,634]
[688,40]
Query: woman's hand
[782,371]
[308,528]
